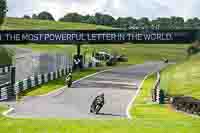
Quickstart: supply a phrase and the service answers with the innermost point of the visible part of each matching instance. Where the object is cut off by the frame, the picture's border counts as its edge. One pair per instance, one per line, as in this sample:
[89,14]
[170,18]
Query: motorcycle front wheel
[98,107]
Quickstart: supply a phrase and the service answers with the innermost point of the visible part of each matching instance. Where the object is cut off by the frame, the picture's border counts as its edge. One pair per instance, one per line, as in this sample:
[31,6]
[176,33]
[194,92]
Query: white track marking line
[7,112]
[50,93]
[114,82]
[134,97]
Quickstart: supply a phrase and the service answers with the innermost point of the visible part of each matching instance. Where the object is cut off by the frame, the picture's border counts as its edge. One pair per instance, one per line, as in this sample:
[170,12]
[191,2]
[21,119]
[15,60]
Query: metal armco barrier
[4,91]
[157,93]
[10,89]
[5,69]
[6,86]
[40,79]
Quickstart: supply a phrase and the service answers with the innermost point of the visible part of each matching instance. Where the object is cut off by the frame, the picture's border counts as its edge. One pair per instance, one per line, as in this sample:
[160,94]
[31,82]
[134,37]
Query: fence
[40,79]
[5,91]
[6,82]
[186,104]
[5,69]
[11,89]
[42,72]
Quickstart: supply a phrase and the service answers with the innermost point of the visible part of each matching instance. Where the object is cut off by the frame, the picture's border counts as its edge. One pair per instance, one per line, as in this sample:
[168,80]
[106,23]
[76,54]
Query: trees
[72,17]
[132,22]
[108,20]
[173,22]
[104,19]
[176,22]
[122,22]
[192,23]
[180,22]
[85,18]
[194,48]
[26,17]
[3,10]
[99,19]
[45,16]
[91,20]
[163,22]
[144,23]
[6,55]
[34,16]
[126,22]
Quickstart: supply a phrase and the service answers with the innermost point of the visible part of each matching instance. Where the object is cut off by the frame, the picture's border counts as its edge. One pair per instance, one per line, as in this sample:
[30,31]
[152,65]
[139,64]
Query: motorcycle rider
[99,100]
[68,80]
[165,60]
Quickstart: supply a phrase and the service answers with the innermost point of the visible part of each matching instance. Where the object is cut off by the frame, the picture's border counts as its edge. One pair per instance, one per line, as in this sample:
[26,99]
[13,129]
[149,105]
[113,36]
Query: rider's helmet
[70,74]
[102,95]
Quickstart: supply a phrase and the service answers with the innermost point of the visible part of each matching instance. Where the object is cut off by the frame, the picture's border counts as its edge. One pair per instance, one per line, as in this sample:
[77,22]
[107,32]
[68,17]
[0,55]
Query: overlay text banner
[95,36]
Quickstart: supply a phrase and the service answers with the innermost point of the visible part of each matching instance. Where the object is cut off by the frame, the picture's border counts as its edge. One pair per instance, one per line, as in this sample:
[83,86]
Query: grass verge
[147,118]
[136,53]
[183,78]
[28,24]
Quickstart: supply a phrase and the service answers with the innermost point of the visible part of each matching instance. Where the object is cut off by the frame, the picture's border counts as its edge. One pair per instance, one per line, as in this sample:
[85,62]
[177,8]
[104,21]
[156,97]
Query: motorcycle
[68,80]
[96,107]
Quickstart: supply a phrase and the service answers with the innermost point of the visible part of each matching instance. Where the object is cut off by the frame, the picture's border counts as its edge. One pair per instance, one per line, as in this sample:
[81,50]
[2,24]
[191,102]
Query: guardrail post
[12,91]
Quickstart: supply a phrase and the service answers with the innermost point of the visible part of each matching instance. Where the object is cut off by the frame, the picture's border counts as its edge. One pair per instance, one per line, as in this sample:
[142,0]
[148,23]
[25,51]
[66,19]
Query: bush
[194,48]
[5,56]
[45,16]
[27,17]
[186,104]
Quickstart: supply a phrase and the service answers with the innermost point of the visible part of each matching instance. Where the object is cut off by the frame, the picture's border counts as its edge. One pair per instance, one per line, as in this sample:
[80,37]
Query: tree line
[173,22]
[5,53]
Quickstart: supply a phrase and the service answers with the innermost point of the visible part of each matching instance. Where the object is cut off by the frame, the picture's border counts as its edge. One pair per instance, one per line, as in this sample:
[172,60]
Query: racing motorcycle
[96,106]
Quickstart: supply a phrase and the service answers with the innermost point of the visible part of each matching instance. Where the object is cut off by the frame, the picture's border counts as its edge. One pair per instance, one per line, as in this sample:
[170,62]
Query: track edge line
[135,96]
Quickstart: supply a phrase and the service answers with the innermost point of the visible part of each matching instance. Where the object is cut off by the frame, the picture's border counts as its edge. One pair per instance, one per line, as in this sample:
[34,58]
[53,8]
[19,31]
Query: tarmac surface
[119,86]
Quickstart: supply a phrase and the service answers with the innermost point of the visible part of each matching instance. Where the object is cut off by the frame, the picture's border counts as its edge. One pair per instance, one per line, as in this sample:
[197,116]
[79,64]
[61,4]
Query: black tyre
[98,108]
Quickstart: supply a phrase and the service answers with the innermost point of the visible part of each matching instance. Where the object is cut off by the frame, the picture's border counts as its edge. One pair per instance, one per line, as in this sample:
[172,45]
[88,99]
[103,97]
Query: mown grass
[56,84]
[28,24]
[137,53]
[147,118]
[183,78]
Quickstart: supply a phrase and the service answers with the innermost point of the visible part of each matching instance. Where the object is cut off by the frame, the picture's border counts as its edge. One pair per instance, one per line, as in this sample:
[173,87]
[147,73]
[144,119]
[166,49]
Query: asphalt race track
[119,86]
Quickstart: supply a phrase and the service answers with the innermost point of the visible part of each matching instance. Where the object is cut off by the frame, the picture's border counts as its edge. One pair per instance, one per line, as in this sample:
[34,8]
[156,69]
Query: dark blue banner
[97,36]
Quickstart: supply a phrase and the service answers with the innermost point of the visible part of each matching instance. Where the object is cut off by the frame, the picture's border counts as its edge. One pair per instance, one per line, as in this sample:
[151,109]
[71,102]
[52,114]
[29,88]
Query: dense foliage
[5,55]
[3,10]
[133,23]
[43,16]
[173,22]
